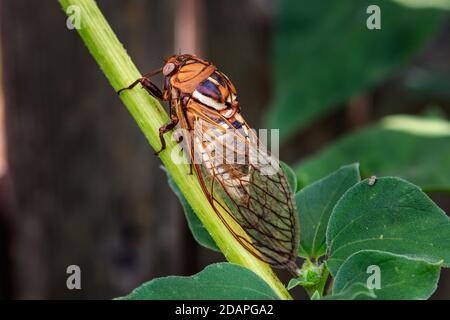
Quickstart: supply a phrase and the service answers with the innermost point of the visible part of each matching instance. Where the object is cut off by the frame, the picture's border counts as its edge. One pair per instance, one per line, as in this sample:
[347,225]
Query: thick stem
[149,114]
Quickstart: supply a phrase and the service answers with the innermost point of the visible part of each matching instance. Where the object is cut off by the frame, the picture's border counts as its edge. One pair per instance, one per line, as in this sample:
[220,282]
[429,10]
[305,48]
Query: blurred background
[80,185]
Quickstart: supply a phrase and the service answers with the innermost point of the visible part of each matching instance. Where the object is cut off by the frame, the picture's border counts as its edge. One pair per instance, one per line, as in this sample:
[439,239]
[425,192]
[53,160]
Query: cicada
[222,150]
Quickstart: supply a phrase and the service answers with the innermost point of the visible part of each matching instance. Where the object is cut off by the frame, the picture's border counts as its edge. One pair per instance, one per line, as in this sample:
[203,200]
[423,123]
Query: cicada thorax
[221,152]
[190,73]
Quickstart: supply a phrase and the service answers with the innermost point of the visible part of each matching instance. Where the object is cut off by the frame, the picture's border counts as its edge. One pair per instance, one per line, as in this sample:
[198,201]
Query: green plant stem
[150,115]
[323,280]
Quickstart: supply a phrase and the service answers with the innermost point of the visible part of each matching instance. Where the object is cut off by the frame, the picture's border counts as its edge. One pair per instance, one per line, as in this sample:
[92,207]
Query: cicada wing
[241,177]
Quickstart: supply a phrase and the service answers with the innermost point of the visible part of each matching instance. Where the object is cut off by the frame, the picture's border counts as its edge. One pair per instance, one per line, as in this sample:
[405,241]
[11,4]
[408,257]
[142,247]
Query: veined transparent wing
[238,175]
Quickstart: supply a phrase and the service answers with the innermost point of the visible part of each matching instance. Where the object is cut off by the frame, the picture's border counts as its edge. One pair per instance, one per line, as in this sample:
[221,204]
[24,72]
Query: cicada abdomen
[237,174]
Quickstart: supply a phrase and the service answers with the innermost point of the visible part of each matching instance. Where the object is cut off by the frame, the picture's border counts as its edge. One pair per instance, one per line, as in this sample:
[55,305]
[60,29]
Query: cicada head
[175,62]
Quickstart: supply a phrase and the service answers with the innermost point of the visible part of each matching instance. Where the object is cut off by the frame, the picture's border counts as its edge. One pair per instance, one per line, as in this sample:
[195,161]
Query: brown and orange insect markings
[204,101]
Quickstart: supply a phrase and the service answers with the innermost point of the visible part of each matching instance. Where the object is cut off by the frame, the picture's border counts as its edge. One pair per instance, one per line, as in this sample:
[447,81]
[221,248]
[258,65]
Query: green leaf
[315,203]
[413,148]
[199,232]
[315,296]
[439,4]
[392,215]
[400,277]
[325,54]
[290,175]
[308,277]
[312,276]
[220,281]
[294,282]
[356,291]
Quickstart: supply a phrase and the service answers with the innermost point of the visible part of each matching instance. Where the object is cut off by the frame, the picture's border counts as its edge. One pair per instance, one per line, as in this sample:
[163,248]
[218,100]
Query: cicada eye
[168,68]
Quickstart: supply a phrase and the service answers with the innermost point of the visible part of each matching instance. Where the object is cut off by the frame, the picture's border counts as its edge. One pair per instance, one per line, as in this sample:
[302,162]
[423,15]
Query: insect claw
[131,86]
[119,91]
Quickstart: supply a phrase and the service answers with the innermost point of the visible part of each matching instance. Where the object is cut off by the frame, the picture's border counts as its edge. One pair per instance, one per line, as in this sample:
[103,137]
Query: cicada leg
[148,85]
[166,128]
[157,93]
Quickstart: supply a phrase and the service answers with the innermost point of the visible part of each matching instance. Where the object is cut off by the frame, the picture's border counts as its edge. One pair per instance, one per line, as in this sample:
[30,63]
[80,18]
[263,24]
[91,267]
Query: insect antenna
[152,73]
